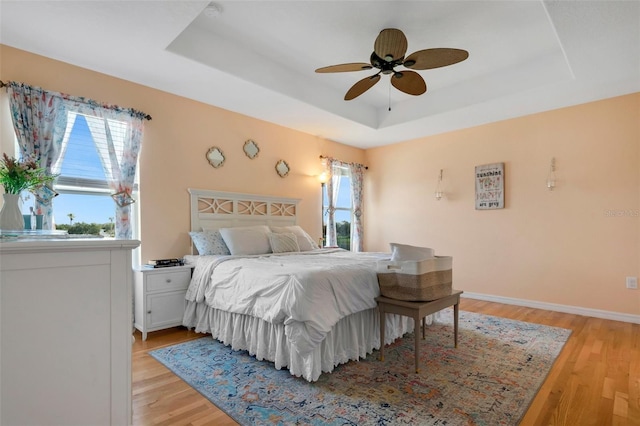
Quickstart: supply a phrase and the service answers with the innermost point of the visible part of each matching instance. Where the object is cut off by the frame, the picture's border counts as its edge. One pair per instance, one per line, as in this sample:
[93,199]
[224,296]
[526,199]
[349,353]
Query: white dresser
[65,332]
[160,297]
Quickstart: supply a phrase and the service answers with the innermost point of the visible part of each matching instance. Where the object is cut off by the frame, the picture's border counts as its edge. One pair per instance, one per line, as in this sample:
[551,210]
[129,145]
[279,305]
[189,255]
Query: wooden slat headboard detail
[218,209]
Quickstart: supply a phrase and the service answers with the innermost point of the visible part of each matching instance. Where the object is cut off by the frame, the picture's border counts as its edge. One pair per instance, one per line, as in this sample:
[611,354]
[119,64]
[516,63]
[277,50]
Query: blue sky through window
[81,158]
[85,208]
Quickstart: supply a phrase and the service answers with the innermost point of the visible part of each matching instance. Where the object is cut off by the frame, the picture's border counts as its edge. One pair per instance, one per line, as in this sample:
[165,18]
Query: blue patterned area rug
[490,379]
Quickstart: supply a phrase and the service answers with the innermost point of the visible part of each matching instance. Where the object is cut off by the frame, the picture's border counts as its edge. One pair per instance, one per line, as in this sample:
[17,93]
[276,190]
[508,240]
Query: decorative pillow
[245,240]
[283,243]
[209,242]
[305,242]
[406,252]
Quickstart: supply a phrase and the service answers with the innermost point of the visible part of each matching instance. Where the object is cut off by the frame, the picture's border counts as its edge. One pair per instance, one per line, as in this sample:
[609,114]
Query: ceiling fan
[388,53]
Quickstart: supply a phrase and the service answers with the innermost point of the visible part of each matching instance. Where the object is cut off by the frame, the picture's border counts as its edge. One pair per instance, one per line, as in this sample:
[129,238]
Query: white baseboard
[597,313]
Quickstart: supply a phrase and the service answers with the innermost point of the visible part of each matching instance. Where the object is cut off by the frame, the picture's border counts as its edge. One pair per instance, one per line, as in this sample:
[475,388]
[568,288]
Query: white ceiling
[258,57]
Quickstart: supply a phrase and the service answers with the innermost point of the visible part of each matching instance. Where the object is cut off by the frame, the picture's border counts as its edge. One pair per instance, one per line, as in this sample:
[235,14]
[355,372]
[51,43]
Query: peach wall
[571,246]
[556,247]
[175,142]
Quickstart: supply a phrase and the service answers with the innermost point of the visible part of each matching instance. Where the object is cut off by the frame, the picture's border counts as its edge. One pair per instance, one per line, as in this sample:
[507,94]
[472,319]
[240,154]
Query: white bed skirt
[352,338]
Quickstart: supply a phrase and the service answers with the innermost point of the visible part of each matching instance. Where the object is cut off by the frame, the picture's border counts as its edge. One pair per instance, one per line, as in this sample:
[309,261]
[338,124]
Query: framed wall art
[490,186]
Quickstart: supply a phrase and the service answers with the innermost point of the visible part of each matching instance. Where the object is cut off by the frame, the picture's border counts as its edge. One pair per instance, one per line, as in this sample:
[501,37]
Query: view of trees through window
[343,233]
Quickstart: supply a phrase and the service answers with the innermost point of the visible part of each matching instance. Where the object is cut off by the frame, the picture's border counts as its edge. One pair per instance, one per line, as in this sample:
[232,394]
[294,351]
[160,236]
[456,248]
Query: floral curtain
[43,121]
[39,121]
[357,178]
[332,193]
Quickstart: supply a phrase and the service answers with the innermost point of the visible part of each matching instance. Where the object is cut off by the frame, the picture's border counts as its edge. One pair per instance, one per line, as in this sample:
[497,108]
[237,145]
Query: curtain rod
[323,157]
[142,114]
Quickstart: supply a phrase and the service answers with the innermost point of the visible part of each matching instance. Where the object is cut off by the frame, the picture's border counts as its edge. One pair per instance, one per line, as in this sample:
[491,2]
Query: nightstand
[160,297]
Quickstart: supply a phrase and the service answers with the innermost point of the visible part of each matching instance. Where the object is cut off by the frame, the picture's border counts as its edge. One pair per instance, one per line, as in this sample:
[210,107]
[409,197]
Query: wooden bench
[418,311]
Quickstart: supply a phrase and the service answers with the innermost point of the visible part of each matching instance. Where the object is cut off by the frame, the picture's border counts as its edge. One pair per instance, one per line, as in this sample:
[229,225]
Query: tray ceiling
[258,57]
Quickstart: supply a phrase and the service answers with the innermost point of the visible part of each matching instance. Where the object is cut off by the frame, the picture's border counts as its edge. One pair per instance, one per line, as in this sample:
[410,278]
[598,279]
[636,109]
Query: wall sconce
[551,178]
[439,193]
[323,177]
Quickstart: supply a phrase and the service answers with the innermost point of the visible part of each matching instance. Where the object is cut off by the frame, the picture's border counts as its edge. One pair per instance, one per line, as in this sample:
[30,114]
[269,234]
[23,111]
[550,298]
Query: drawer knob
[148,312]
[168,280]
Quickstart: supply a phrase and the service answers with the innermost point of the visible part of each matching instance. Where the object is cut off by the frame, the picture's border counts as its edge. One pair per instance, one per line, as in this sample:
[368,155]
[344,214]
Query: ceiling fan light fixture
[389,52]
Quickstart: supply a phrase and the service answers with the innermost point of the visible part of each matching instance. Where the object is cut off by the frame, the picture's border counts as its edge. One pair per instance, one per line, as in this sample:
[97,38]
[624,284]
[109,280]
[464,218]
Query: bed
[304,308]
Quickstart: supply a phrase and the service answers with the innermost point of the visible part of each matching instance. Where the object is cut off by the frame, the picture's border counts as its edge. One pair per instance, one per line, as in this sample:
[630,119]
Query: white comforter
[308,292]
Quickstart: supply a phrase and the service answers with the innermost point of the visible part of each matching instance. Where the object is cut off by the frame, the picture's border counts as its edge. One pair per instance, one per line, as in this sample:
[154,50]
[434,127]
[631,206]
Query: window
[84,205]
[344,211]
[52,136]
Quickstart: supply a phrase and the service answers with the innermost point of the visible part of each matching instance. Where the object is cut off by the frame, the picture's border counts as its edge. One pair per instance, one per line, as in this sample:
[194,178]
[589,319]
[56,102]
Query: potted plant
[17,176]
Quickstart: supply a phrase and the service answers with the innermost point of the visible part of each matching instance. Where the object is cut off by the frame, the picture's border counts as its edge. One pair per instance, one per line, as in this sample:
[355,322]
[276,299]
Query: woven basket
[427,280]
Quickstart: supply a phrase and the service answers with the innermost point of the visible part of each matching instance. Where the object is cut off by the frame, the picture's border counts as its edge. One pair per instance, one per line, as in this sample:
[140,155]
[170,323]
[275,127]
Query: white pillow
[305,242]
[401,252]
[209,242]
[245,240]
[283,243]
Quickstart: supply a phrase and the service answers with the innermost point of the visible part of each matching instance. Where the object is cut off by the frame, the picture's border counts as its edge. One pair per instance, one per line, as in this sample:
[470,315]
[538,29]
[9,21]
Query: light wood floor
[595,380]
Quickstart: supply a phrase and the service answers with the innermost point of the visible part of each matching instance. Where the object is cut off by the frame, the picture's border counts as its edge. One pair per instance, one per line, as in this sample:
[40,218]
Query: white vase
[10,215]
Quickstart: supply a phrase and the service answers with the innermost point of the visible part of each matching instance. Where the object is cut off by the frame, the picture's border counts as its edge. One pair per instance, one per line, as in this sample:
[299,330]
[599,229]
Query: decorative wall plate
[251,149]
[215,157]
[282,168]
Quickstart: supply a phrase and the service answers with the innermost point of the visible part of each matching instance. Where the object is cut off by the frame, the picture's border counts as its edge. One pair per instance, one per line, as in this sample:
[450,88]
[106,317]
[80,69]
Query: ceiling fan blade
[361,86]
[356,66]
[390,45]
[409,82]
[435,58]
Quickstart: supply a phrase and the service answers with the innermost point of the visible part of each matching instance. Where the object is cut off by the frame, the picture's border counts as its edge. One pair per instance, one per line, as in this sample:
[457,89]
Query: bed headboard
[217,209]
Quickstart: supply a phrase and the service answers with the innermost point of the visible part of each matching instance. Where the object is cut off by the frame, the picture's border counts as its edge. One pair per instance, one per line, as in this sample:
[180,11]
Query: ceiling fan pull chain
[389,94]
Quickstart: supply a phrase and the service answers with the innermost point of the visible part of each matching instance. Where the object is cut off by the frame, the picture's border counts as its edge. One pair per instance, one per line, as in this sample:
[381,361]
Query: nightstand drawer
[169,280]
